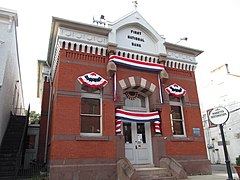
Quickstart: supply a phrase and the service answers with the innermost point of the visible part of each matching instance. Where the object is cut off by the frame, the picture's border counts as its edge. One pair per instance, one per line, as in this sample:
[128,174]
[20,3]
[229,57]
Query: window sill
[178,139]
[92,138]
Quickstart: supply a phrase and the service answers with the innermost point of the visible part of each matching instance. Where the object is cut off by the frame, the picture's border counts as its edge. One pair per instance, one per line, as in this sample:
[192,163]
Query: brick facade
[73,156]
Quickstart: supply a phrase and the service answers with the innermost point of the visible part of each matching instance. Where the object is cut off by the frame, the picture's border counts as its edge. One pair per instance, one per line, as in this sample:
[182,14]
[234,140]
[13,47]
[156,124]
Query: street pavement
[212,177]
[219,172]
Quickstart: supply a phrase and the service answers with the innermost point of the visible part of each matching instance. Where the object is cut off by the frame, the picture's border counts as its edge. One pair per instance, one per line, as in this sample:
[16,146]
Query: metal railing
[35,170]
[21,150]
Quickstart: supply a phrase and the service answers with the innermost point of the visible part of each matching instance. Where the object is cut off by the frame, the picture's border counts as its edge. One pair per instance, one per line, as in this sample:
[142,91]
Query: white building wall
[11,96]
[31,151]
[222,91]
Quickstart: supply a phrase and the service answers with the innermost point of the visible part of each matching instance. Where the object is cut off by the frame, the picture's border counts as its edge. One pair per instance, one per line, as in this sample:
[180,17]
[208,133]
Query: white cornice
[9,15]
[58,23]
[183,49]
[91,28]
[181,56]
[80,36]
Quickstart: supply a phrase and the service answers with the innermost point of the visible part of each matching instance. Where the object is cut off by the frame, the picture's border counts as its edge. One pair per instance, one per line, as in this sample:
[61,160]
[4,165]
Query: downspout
[48,119]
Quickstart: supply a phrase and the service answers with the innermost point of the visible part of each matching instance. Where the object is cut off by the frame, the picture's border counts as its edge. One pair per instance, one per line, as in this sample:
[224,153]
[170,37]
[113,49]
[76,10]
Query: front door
[138,148]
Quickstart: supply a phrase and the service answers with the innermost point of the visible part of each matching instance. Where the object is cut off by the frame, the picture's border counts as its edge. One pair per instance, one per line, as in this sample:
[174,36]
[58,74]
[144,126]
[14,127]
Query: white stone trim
[55,59]
[82,36]
[143,82]
[180,60]
[94,48]
[133,55]
[132,81]
[152,87]
[122,84]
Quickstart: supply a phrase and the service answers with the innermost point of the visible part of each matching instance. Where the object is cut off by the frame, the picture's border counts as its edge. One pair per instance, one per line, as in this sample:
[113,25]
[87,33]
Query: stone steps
[149,172]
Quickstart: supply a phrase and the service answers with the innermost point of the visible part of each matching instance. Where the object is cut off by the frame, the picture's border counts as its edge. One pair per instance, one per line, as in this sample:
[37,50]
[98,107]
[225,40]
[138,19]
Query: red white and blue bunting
[92,80]
[176,90]
[118,126]
[157,127]
[123,115]
[136,63]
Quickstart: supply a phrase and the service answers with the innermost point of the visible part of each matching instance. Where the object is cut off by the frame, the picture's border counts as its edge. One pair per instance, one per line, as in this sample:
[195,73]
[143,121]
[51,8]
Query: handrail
[21,146]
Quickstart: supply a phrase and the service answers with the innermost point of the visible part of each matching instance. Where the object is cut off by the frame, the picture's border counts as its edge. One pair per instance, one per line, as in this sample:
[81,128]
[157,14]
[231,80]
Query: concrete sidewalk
[219,176]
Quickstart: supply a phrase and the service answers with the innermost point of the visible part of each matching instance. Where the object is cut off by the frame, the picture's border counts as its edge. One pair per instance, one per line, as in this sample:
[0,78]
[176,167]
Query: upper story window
[176,115]
[91,111]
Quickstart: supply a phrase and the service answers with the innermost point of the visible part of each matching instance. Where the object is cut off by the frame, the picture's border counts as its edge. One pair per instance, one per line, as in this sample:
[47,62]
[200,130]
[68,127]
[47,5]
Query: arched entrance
[138,143]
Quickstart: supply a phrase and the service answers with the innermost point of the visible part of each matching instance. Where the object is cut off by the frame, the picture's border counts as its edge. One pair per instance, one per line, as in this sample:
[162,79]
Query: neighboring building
[118,91]
[222,90]
[43,94]
[31,148]
[43,71]
[11,94]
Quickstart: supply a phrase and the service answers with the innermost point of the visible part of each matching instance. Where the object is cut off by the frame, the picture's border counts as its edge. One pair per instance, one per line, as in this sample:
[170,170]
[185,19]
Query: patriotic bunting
[136,63]
[118,126]
[175,90]
[92,80]
[157,127]
[137,116]
[123,115]
[131,95]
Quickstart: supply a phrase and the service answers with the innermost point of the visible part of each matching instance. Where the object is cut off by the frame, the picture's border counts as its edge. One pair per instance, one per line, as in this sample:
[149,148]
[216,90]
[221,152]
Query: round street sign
[219,115]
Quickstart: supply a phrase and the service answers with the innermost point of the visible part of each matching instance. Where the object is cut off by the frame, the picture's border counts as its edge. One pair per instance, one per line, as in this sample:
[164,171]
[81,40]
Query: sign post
[219,116]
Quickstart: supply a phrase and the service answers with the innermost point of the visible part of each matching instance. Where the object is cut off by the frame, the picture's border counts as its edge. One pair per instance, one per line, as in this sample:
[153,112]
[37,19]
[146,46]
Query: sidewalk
[213,177]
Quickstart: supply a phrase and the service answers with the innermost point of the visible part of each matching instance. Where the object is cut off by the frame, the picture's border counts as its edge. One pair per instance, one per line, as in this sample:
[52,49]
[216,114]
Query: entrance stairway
[12,146]
[149,172]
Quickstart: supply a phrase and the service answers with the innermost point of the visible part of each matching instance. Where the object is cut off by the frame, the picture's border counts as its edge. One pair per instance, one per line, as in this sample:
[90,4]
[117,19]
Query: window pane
[137,102]
[127,132]
[178,128]
[141,132]
[176,112]
[90,106]
[90,124]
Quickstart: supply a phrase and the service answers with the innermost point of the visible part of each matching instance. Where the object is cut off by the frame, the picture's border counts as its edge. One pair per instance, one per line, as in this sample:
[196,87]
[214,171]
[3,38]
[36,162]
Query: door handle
[135,146]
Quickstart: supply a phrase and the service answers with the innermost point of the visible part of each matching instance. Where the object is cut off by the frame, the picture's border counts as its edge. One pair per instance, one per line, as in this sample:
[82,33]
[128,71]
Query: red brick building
[118,91]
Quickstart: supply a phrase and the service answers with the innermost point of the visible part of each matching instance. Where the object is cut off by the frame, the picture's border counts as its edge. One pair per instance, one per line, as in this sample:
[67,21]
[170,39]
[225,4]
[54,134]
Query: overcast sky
[210,25]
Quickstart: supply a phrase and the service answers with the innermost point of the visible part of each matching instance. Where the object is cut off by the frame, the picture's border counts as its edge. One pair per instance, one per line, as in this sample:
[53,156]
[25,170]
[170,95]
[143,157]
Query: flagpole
[160,88]
[115,87]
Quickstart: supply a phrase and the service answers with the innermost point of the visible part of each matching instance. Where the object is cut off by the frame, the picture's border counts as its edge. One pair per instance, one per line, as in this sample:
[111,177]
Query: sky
[210,25]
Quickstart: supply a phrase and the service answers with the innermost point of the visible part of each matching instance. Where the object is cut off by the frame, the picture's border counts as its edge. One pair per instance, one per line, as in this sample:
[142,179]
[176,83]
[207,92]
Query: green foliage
[34,117]
[238,161]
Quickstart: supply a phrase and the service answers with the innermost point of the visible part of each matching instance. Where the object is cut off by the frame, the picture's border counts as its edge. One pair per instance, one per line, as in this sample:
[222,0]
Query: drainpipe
[48,119]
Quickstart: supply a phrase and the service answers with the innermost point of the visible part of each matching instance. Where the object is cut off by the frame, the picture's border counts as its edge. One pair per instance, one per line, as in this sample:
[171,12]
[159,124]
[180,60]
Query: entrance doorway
[138,144]
[138,147]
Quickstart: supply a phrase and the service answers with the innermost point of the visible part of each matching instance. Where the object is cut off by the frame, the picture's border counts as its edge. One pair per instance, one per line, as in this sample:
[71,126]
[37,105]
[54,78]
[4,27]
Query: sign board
[219,115]
[133,37]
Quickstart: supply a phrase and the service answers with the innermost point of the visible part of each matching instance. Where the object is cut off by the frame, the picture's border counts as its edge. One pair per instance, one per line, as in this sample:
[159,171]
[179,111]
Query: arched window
[135,101]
